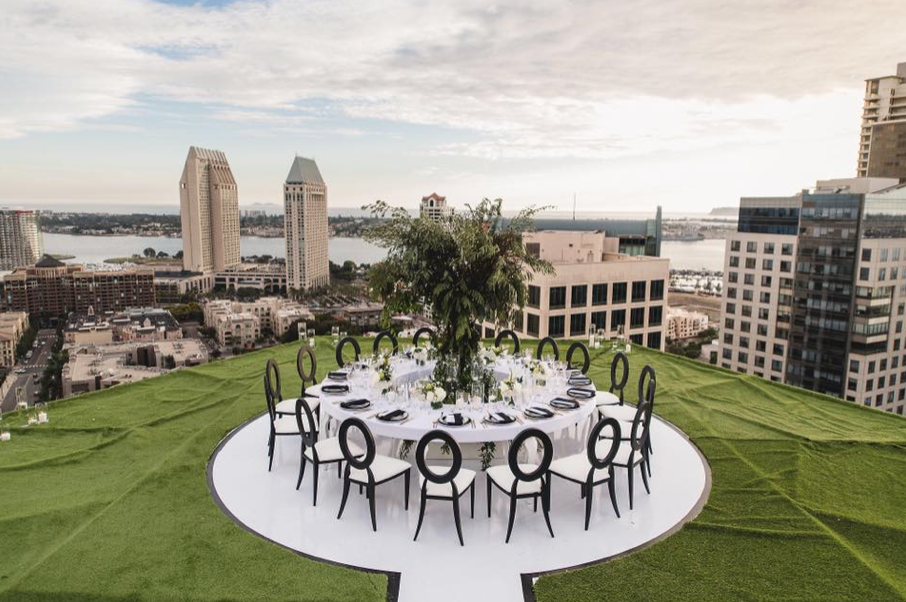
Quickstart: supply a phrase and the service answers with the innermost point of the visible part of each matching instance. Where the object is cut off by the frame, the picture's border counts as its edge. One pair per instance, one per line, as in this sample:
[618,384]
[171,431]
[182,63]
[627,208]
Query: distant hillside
[724,211]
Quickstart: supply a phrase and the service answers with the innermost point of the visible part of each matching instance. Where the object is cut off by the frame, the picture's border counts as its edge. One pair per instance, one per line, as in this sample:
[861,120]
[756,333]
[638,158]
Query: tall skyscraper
[305,226]
[434,207]
[815,291]
[209,208]
[20,238]
[882,143]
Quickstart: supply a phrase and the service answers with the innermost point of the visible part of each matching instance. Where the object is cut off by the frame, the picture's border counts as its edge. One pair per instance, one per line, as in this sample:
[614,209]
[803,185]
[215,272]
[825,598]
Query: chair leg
[270,454]
[546,505]
[489,497]
[509,528]
[629,472]
[457,519]
[301,472]
[345,496]
[611,486]
[316,470]
[339,466]
[406,487]
[588,506]
[535,504]
[645,476]
[421,515]
[472,499]
[371,503]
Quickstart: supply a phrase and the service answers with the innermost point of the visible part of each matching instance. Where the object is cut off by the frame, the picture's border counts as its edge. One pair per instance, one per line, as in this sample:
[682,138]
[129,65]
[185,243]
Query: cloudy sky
[688,104]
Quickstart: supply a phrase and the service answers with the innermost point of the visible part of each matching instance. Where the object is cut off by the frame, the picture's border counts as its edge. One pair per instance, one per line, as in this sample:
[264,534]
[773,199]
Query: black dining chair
[287,407]
[450,484]
[424,331]
[317,451]
[280,425]
[524,480]
[595,466]
[614,395]
[341,361]
[368,469]
[547,341]
[508,334]
[634,452]
[578,346]
[385,334]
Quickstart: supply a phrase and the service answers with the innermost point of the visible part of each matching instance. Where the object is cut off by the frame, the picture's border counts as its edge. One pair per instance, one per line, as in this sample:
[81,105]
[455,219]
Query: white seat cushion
[329,450]
[288,406]
[383,468]
[462,480]
[625,413]
[622,457]
[287,424]
[576,467]
[606,398]
[503,477]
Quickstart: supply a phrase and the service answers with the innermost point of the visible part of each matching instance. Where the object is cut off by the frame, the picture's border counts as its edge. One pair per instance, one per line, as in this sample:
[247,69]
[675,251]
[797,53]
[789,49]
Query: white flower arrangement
[420,355]
[511,386]
[539,369]
[383,371]
[488,355]
[432,392]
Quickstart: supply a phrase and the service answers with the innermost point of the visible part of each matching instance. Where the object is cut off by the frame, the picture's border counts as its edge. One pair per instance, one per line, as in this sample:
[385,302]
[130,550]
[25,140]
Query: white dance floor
[435,567]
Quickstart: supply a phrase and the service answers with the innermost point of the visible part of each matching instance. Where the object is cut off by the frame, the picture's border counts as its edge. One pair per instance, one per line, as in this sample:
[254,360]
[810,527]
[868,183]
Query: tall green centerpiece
[468,267]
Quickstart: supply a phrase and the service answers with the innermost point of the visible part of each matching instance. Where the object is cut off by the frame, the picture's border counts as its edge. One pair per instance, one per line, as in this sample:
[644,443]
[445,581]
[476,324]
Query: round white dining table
[422,418]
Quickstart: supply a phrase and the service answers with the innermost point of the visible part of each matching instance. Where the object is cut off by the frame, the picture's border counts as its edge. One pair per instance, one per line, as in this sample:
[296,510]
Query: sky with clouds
[687,104]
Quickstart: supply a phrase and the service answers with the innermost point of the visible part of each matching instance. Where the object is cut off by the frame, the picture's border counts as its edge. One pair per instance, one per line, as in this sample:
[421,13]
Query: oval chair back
[304,416]
[539,354]
[425,470]
[432,336]
[269,400]
[641,424]
[362,462]
[385,334]
[342,344]
[646,393]
[508,334]
[619,361]
[306,375]
[595,439]
[547,455]
[586,358]
[272,381]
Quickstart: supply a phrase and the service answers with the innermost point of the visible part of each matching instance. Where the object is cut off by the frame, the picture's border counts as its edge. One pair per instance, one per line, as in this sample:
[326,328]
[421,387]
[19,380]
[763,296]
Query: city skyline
[531,104]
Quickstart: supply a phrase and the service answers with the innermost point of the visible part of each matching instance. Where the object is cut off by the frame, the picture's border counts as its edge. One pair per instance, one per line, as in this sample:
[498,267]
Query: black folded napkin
[581,393]
[502,418]
[391,416]
[536,412]
[564,403]
[336,375]
[579,380]
[355,404]
[455,419]
[335,388]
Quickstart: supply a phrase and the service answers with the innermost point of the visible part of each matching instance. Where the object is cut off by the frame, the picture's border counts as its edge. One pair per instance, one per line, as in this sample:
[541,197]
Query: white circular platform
[435,567]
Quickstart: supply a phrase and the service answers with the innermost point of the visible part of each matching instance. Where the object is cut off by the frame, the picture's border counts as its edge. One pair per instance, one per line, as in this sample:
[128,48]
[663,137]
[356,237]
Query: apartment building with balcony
[882,140]
[593,287]
[20,238]
[815,291]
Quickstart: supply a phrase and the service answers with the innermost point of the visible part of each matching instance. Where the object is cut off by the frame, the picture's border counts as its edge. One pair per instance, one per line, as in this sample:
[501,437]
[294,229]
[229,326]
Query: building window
[751,247]
[731,308]
[617,318]
[734,246]
[750,263]
[654,340]
[637,317]
[579,296]
[786,249]
[577,324]
[533,324]
[728,355]
[734,261]
[599,319]
[636,338]
[557,297]
[853,366]
[534,296]
[657,290]
[767,264]
[599,294]
[769,248]
[733,277]
[638,291]
[749,279]
[619,292]
[786,266]
[866,254]
[864,274]
[776,366]
[655,315]
[555,326]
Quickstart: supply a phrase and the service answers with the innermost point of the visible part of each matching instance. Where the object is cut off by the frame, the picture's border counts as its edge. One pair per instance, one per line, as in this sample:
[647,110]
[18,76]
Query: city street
[34,366]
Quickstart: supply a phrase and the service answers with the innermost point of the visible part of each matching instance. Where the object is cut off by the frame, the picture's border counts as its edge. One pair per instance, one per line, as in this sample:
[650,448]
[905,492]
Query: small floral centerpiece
[539,372]
[420,355]
[433,393]
[510,388]
[383,373]
[489,355]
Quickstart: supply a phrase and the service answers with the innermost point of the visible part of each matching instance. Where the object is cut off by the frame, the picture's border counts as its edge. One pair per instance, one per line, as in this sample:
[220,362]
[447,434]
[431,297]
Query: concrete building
[53,288]
[232,326]
[142,324]
[12,326]
[305,226]
[593,287]
[364,315]
[173,284]
[684,324]
[268,278]
[20,238]
[434,207]
[94,367]
[209,212]
[815,291]
[882,142]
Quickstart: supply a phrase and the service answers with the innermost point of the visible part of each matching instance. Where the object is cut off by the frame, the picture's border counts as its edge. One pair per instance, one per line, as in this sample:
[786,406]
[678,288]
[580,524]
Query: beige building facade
[434,207]
[305,225]
[593,287]
[684,324]
[12,326]
[209,212]
[20,238]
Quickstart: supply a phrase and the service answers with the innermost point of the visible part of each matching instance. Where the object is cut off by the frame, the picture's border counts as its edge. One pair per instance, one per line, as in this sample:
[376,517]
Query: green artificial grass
[109,501]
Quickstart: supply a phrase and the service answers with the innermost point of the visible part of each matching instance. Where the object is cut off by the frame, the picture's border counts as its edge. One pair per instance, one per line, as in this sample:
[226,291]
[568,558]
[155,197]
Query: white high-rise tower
[305,226]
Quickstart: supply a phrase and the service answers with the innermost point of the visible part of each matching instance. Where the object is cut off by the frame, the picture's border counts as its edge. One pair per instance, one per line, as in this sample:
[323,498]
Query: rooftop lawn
[109,501]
